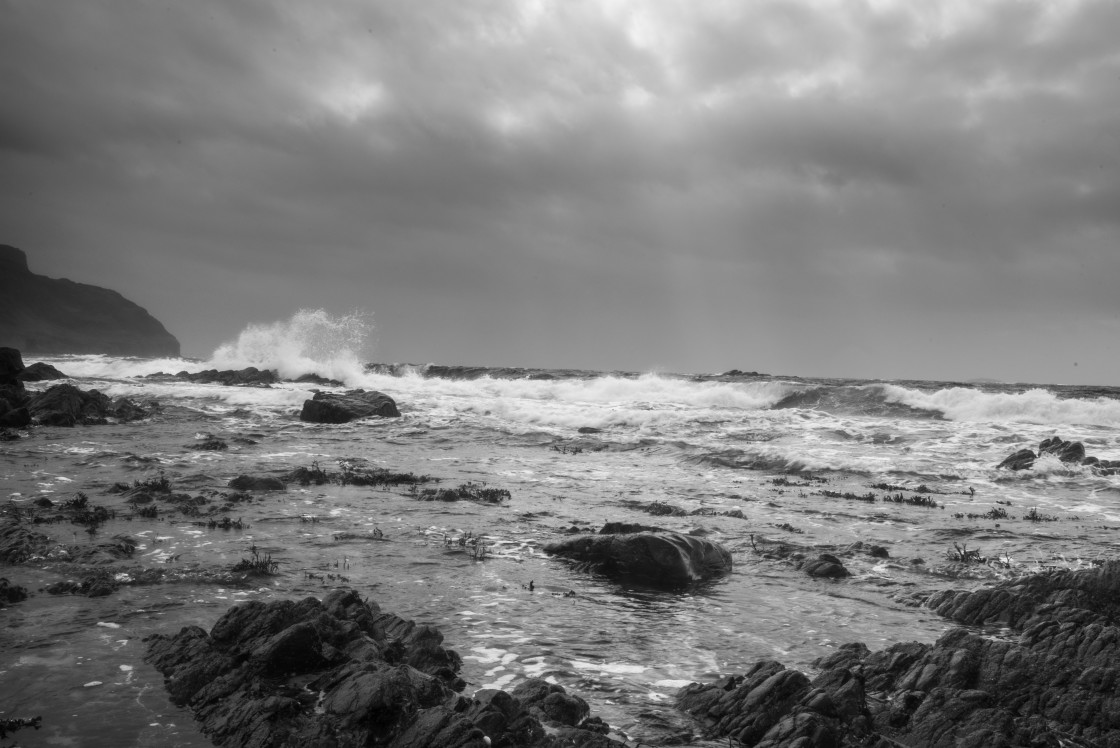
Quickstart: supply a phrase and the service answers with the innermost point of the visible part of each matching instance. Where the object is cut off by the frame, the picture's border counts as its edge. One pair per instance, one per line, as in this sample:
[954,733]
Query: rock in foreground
[341,673]
[663,559]
[328,407]
[1057,683]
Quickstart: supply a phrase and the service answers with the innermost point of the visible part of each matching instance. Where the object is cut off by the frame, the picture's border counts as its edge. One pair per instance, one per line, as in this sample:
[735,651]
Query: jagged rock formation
[1054,682]
[47,315]
[340,672]
[1066,451]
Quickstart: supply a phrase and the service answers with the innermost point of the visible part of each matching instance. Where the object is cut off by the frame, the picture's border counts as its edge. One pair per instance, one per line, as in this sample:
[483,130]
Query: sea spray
[312,342]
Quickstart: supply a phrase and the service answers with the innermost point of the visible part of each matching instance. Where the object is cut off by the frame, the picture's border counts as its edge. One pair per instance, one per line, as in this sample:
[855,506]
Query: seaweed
[468,492]
[258,564]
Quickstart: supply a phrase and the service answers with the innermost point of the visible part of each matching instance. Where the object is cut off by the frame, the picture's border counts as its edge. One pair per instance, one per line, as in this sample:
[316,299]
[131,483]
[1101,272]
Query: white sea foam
[1037,406]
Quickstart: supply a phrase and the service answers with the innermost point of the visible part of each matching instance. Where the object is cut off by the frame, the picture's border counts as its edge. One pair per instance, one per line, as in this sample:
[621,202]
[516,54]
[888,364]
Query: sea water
[797,457]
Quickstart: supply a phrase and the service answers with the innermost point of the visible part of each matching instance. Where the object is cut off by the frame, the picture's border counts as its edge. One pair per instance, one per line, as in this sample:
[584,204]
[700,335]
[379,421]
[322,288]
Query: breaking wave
[312,342]
[1035,406]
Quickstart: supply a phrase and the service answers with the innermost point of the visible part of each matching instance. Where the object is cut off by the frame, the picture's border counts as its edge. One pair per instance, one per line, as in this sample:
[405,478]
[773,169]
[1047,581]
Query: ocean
[753,461]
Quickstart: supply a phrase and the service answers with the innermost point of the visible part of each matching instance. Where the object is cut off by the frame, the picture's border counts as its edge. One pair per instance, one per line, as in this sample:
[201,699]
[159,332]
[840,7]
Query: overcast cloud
[874,189]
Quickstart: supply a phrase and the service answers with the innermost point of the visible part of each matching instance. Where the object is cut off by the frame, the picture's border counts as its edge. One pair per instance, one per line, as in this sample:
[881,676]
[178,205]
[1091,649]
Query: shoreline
[216,502]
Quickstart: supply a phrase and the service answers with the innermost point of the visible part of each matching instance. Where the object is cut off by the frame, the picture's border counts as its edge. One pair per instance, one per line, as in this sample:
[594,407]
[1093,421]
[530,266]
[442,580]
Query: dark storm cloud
[870,159]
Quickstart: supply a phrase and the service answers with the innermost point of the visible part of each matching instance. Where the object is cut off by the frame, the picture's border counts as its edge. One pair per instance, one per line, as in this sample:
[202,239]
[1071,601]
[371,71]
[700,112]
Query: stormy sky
[862,188]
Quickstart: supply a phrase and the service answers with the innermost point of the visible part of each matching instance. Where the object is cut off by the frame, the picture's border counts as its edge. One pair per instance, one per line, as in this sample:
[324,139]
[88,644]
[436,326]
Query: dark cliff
[47,315]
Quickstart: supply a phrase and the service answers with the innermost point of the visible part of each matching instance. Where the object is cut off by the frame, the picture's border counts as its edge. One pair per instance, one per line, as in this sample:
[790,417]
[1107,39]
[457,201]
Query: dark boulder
[1021,460]
[338,672]
[825,565]
[47,315]
[1053,683]
[253,483]
[1065,451]
[11,366]
[665,559]
[327,407]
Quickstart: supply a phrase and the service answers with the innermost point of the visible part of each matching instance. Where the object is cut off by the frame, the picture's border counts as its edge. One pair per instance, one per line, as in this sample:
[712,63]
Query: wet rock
[1055,683]
[1066,451]
[825,565]
[1021,460]
[317,379]
[327,407]
[11,593]
[337,672]
[623,528]
[211,444]
[253,483]
[665,559]
[250,375]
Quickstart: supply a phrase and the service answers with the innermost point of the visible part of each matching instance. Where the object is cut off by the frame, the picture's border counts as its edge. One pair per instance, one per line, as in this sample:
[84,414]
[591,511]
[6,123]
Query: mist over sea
[808,462]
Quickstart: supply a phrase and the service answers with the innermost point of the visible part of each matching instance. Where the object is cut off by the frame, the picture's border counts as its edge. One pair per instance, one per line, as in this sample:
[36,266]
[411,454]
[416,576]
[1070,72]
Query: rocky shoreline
[1035,659]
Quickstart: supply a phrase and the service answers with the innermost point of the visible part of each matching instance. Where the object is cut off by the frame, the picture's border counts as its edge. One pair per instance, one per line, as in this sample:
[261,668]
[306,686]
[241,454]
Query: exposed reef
[342,672]
[1050,679]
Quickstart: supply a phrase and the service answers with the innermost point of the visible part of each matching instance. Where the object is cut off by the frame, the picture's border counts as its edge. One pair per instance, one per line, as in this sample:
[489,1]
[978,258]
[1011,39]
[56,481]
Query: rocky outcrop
[342,672]
[1068,452]
[327,407]
[664,559]
[47,315]
[66,405]
[1054,681]
[40,372]
[60,405]
[250,375]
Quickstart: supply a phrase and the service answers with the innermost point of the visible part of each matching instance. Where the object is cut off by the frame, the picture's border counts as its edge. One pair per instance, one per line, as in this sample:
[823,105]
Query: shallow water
[714,444]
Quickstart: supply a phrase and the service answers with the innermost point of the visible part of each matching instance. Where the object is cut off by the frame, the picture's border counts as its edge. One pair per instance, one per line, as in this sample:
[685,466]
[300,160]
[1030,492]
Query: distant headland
[48,315]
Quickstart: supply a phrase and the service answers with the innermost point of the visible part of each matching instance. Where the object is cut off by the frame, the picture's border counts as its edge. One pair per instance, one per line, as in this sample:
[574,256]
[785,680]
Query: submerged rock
[341,672]
[328,407]
[1053,684]
[666,559]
